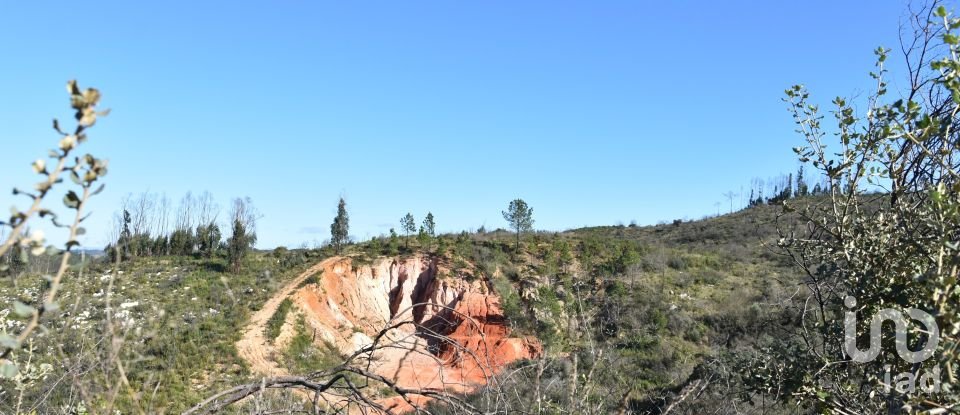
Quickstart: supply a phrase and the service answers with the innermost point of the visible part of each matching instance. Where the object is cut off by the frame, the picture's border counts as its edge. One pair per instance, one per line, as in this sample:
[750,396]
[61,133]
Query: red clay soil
[461,336]
[481,338]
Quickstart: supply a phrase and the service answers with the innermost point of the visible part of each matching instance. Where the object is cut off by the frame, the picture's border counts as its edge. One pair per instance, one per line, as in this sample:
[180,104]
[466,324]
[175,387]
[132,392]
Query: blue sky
[593,112]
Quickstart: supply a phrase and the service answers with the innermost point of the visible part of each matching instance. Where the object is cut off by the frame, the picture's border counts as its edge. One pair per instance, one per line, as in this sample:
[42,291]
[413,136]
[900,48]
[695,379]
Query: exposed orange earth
[460,336]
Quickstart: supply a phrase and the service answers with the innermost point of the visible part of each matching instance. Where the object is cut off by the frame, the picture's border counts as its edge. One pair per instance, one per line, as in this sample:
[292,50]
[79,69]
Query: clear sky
[594,112]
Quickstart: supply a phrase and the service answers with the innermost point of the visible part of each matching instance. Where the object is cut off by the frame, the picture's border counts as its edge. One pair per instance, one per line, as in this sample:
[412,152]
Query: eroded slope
[447,330]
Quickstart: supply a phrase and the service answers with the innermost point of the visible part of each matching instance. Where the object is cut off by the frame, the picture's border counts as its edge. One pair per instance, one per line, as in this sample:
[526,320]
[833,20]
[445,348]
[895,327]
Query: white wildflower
[68,142]
[39,165]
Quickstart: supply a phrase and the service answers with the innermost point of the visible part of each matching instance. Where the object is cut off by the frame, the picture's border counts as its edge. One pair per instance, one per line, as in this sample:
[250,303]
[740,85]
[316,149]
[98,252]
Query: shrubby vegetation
[740,313]
[644,310]
[305,354]
[170,322]
[278,318]
[862,251]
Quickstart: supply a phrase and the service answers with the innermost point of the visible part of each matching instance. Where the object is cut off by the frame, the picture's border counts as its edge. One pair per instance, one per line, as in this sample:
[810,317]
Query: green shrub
[677,263]
[275,323]
[510,300]
[303,355]
[312,279]
[709,276]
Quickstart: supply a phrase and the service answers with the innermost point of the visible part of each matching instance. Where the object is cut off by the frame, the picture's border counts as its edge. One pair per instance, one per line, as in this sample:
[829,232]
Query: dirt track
[253,346]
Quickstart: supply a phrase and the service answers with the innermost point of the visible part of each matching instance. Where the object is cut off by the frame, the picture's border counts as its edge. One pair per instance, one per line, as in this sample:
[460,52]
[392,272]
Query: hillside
[280,215]
[639,308]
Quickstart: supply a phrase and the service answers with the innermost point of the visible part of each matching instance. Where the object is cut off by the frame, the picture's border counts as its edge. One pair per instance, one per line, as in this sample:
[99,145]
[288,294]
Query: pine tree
[429,229]
[409,226]
[340,228]
[520,217]
[802,189]
[123,245]
[429,226]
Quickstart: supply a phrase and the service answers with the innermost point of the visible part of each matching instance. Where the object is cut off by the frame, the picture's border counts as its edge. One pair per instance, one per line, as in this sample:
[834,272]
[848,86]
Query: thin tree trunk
[572,391]
[537,385]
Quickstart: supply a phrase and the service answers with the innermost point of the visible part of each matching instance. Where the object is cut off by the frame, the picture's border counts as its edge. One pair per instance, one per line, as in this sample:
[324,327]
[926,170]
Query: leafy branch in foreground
[886,235]
[84,171]
[353,385]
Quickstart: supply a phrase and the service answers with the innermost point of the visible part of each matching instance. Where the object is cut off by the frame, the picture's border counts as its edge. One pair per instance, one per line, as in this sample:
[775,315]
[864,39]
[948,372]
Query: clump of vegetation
[244,219]
[276,321]
[312,279]
[305,354]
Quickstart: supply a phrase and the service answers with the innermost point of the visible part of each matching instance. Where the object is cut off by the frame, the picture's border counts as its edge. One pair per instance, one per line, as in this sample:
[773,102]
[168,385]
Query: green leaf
[22,309]
[941,11]
[8,370]
[96,192]
[52,307]
[71,200]
[8,341]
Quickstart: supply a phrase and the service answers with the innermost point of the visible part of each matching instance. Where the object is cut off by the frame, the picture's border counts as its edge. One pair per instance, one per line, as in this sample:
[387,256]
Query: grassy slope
[175,320]
[661,297]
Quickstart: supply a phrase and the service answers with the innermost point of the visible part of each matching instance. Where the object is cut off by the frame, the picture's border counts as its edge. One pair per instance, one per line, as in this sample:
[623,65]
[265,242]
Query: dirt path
[254,346]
